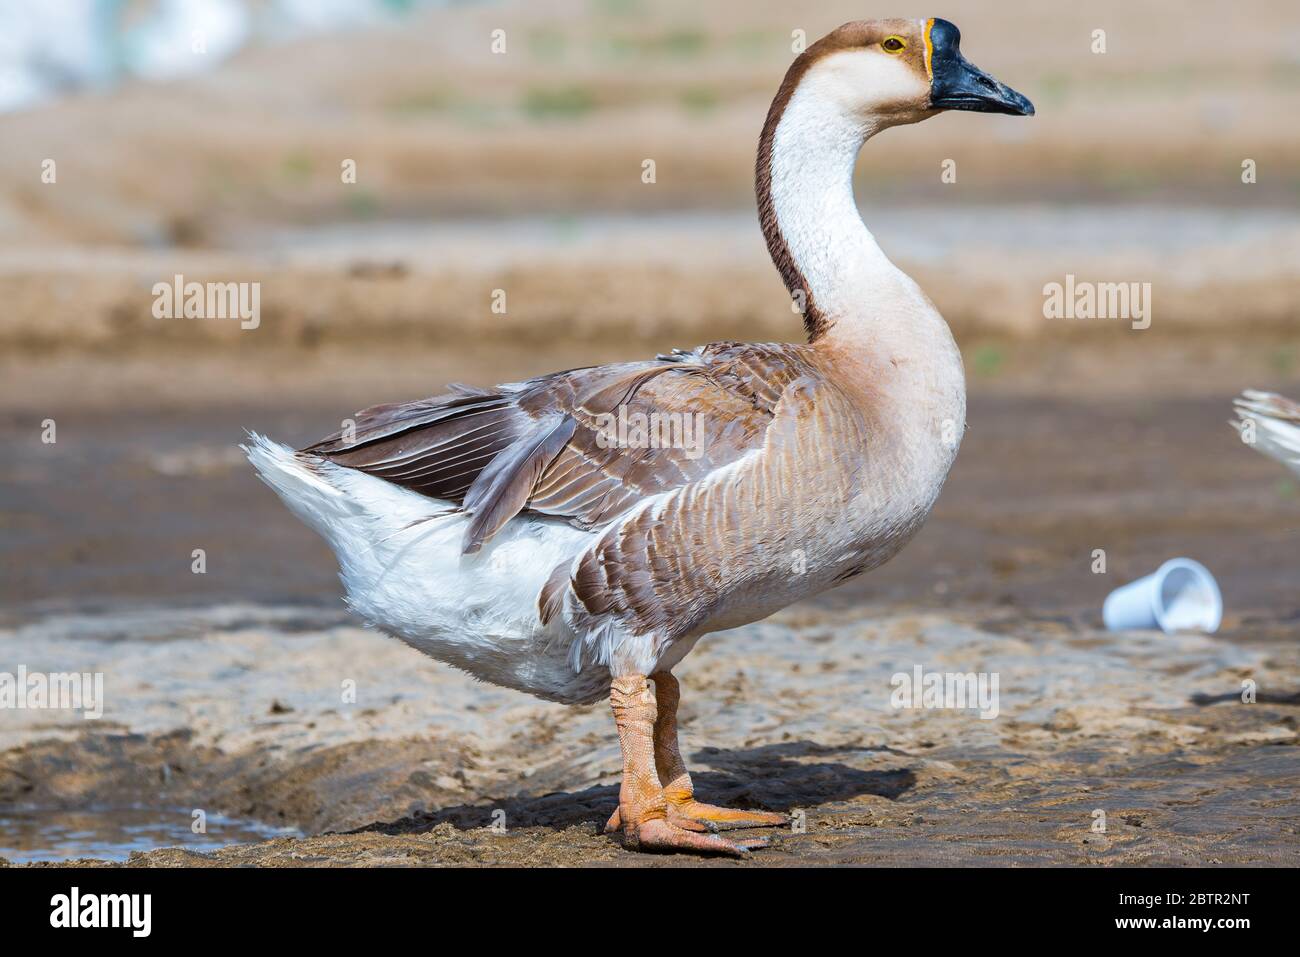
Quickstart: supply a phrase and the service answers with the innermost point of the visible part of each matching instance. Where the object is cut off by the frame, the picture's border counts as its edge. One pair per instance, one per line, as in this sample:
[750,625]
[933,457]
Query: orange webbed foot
[651,816]
[722,818]
[615,823]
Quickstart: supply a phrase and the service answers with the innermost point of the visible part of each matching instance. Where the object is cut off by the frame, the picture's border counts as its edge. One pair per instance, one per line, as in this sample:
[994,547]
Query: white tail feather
[401,565]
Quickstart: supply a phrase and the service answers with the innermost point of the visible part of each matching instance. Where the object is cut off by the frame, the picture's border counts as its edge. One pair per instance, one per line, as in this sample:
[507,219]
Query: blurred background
[207,138]
[140,139]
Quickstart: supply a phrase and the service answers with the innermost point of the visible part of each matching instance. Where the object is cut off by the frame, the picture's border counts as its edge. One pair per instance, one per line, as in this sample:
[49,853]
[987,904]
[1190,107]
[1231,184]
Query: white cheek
[869,82]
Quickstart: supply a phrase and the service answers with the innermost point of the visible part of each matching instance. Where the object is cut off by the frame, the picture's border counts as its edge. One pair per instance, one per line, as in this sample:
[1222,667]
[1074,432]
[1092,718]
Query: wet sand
[243,717]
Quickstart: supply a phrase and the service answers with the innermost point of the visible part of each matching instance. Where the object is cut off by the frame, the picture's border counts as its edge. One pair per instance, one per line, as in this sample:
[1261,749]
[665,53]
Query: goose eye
[894,44]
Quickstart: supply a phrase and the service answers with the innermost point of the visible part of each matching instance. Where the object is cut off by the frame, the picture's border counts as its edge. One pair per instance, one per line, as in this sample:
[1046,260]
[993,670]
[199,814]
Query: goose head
[863,77]
[890,72]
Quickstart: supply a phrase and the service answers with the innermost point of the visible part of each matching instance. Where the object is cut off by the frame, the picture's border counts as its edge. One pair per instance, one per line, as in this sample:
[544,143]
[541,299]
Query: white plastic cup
[1181,595]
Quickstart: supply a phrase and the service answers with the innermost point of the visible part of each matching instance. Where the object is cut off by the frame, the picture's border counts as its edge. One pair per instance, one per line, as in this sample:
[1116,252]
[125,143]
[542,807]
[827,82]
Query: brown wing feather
[539,445]
[434,446]
[501,490]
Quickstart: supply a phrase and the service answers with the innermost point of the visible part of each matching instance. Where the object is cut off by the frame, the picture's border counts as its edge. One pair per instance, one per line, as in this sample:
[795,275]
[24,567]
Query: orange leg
[643,809]
[677,794]
[676,780]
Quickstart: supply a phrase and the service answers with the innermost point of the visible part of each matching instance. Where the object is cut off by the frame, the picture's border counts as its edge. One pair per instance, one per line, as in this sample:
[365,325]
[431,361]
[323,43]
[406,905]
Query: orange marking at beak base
[929,48]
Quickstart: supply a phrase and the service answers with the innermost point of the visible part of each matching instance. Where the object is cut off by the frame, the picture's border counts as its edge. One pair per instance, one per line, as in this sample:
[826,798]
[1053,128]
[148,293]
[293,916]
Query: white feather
[403,572]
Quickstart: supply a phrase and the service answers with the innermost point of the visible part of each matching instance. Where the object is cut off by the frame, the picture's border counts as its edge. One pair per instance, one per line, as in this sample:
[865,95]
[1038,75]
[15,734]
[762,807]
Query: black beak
[957,84]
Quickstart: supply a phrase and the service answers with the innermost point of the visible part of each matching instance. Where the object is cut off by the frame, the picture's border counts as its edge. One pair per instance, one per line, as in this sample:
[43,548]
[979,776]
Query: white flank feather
[401,565]
[1271,425]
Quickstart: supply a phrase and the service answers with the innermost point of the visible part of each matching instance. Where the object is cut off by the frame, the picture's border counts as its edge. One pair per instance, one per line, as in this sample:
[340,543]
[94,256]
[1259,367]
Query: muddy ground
[791,715]
[224,693]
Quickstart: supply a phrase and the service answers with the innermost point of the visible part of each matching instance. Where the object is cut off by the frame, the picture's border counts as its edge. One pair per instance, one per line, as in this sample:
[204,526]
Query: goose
[1270,423]
[513,533]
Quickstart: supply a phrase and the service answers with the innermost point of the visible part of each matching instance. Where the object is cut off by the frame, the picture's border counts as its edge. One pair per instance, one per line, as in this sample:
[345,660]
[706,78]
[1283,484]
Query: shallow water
[114,833]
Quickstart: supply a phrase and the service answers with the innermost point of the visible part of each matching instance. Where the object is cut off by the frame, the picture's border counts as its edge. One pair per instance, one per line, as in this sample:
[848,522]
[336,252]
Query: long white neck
[859,308]
[836,272]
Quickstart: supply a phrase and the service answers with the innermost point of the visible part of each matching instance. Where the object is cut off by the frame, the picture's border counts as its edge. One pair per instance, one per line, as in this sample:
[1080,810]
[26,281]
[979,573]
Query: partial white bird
[1270,424]
[554,537]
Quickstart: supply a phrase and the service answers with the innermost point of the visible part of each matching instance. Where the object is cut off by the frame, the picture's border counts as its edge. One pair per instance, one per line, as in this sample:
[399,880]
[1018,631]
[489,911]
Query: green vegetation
[567,102]
[549,45]
[1053,89]
[361,203]
[420,101]
[297,166]
[698,99]
[987,360]
[682,43]
[1283,359]
[617,8]
[756,43]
